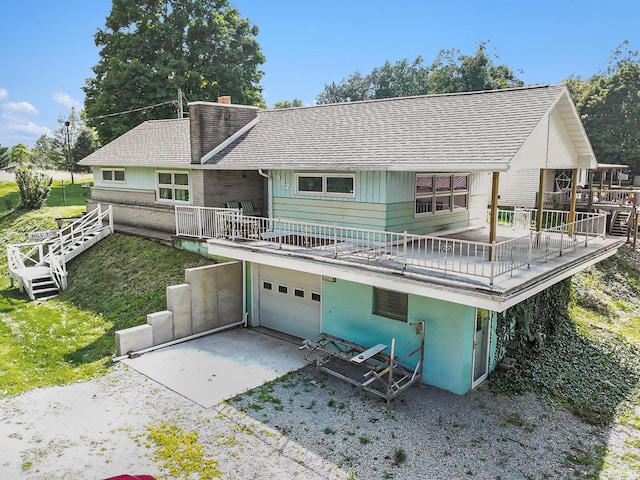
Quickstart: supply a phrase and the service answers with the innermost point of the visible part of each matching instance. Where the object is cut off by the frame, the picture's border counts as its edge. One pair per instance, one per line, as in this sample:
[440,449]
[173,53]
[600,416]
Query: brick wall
[124,196]
[214,188]
[213,123]
[159,217]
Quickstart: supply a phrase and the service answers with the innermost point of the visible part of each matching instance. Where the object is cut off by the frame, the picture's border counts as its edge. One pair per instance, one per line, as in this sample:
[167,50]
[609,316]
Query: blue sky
[47,49]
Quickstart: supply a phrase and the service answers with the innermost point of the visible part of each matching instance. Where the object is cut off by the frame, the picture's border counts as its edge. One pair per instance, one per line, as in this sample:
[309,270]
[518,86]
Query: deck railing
[399,250]
[595,196]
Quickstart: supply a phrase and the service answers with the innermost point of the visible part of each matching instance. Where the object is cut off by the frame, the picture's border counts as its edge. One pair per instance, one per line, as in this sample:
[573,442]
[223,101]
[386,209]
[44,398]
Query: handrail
[401,249]
[53,251]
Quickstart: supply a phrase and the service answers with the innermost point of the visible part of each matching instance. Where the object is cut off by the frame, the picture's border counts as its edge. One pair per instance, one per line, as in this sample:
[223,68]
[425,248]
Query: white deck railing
[399,250]
[595,196]
[52,253]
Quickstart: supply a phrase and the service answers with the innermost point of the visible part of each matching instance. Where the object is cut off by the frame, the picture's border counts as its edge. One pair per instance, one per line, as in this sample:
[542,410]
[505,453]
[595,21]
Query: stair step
[45,290]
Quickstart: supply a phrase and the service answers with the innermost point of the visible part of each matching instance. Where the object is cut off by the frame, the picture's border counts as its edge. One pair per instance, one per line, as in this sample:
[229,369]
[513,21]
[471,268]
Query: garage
[289,301]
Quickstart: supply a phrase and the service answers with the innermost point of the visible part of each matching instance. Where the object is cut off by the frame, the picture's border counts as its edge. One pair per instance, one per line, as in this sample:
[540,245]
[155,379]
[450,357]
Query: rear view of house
[376,229]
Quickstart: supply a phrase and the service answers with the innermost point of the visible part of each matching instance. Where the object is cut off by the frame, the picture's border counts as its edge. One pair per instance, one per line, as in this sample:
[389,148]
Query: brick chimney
[212,123]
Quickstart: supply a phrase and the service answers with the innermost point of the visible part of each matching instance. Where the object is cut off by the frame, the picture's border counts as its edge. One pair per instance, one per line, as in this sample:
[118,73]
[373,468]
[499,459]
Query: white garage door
[290,301]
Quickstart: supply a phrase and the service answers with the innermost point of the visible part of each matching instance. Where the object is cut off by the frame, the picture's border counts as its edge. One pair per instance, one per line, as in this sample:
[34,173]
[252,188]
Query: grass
[62,194]
[592,366]
[114,285]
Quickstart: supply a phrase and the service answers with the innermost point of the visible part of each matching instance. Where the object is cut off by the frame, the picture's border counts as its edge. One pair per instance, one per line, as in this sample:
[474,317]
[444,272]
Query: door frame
[486,328]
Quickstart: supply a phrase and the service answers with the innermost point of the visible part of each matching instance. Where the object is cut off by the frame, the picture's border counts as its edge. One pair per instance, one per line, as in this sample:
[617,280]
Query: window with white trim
[113,175]
[390,304]
[441,194]
[172,187]
[327,184]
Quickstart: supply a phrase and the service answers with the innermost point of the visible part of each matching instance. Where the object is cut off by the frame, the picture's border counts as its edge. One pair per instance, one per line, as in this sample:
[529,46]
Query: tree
[34,187]
[609,105]
[85,144]
[20,154]
[47,153]
[450,72]
[152,48]
[4,156]
[287,104]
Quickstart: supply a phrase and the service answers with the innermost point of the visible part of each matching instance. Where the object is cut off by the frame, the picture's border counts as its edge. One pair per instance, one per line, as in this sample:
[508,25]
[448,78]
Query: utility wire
[130,111]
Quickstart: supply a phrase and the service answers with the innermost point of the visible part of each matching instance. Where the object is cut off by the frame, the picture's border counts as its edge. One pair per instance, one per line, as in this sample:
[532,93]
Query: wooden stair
[619,223]
[40,268]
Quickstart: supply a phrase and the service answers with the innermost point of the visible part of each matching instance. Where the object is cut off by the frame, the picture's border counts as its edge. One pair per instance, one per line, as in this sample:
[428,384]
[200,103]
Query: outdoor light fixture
[59,222]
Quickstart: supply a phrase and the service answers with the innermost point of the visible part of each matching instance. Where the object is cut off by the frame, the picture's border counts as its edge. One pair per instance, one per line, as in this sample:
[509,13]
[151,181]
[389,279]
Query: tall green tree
[84,145]
[609,105]
[450,72]
[152,48]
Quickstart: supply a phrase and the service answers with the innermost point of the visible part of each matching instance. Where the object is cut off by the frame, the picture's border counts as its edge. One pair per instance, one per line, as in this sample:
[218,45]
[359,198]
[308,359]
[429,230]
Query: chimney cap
[224,99]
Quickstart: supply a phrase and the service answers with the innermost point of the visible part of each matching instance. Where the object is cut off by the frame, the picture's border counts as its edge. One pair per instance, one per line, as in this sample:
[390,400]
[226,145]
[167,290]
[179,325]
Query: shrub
[34,188]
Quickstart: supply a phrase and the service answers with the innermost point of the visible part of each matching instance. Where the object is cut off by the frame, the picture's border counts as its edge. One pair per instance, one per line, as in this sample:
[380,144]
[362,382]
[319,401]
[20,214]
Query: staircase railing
[52,252]
[91,222]
[58,269]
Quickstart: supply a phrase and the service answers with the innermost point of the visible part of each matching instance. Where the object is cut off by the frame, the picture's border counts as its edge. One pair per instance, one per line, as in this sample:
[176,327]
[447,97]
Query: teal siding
[347,313]
[382,201]
[330,212]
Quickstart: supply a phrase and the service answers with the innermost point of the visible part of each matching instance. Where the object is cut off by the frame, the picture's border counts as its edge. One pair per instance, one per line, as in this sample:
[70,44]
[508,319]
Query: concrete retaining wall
[210,298]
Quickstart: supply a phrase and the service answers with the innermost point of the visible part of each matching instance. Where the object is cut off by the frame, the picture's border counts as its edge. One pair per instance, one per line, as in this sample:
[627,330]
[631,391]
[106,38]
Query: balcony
[519,257]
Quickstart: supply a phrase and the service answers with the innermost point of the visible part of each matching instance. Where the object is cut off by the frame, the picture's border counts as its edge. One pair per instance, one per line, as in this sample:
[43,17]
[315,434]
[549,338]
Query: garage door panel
[290,301]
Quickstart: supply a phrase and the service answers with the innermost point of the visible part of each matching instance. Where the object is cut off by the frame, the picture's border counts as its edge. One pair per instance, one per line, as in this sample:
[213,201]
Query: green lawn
[112,286]
[63,193]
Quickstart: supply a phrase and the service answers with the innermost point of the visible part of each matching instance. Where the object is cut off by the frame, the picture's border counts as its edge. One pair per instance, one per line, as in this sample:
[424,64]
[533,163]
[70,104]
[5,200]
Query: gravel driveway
[305,426]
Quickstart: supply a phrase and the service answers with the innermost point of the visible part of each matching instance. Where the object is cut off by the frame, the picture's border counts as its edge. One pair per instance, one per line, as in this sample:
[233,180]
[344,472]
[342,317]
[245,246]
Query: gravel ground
[305,426]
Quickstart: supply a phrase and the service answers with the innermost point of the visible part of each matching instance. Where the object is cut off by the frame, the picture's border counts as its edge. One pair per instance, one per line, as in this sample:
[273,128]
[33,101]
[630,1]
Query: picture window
[328,184]
[441,194]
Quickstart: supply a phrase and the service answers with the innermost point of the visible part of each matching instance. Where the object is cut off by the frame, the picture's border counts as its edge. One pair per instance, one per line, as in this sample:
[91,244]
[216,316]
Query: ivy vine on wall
[523,328]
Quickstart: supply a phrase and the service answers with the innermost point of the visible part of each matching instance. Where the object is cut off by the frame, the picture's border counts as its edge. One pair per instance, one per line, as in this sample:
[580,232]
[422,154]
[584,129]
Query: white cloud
[3,94]
[21,107]
[15,128]
[65,100]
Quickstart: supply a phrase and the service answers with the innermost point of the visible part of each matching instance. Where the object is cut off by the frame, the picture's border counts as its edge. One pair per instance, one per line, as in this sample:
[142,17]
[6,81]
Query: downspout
[245,313]
[269,192]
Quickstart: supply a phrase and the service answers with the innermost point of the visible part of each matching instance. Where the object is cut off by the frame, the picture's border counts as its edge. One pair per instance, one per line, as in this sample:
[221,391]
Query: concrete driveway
[214,368]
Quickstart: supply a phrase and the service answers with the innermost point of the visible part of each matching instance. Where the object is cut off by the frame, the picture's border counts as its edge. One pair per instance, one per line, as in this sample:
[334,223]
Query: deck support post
[572,201]
[493,221]
[540,205]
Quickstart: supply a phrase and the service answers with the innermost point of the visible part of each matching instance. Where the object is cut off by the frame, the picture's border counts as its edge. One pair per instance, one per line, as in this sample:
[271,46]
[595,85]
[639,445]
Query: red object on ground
[131,477]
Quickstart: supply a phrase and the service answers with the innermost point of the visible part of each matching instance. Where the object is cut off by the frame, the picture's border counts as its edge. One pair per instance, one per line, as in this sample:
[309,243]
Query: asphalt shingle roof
[459,131]
[450,132]
[152,143]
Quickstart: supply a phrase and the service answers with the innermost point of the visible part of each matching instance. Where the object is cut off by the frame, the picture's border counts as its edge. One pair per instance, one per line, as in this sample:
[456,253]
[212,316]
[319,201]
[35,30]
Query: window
[267,285]
[390,304]
[441,193]
[333,185]
[283,289]
[298,293]
[315,297]
[113,175]
[173,187]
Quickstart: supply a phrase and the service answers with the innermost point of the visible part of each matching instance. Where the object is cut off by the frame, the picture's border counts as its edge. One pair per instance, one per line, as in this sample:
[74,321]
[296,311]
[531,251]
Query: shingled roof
[154,143]
[450,132]
[463,131]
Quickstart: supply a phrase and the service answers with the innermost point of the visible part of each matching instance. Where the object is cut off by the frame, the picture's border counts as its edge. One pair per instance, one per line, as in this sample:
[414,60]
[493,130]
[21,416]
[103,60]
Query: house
[155,166]
[376,229]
